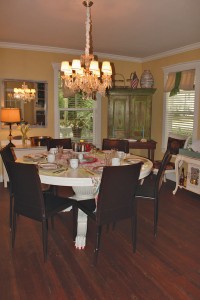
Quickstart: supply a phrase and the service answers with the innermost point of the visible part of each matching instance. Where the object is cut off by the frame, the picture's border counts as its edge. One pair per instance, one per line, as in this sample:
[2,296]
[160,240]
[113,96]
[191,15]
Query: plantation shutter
[180,112]
[180,102]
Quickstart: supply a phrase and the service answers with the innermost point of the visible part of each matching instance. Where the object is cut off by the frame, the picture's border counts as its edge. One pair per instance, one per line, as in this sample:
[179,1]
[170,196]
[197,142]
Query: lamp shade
[106,68]
[10,115]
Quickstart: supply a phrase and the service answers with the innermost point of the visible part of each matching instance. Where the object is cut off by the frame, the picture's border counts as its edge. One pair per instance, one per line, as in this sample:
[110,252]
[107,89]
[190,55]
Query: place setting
[34,157]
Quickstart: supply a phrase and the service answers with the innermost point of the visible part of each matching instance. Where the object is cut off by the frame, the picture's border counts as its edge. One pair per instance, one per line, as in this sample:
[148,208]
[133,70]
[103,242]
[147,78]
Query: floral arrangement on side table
[24,128]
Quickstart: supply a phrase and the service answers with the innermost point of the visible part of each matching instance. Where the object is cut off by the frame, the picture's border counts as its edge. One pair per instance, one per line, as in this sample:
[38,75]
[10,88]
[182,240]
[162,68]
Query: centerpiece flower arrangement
[77,124]
[24,128]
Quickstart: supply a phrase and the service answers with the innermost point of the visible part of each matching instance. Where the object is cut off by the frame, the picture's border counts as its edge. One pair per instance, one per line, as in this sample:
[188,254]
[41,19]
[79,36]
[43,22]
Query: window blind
[180,112]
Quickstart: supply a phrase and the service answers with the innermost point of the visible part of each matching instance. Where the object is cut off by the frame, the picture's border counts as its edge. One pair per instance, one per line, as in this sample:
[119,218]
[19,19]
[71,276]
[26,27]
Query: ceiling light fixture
[24,93]
[84,75]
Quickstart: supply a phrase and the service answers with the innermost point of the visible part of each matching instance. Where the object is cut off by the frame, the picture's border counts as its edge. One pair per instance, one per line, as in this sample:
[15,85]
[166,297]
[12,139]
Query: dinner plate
[48,166]
[132,161]
[33,157]
[88,159]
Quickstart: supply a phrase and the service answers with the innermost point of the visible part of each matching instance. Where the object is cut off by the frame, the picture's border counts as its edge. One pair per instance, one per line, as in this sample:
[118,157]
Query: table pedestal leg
[81,230]
[82,193]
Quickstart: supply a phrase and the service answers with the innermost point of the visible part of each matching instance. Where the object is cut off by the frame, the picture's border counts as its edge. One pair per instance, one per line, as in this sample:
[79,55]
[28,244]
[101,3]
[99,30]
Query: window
[180,112]
[74,117]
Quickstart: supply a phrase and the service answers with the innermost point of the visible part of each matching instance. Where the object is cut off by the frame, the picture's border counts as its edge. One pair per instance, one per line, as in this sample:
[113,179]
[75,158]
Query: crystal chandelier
[84,75]
[24,93]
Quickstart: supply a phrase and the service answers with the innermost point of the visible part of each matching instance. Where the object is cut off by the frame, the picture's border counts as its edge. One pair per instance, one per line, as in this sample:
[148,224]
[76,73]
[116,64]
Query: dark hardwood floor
[167,267]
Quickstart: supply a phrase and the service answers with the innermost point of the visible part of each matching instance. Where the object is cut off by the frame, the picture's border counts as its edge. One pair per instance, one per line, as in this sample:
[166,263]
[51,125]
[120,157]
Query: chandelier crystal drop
[84,75]
[24,93]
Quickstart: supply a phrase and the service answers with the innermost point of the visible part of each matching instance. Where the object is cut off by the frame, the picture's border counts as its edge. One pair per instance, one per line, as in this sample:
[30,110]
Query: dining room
[142,97]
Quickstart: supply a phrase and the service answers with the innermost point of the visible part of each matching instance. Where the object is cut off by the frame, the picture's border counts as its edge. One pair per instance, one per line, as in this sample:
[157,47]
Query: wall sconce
[10,116]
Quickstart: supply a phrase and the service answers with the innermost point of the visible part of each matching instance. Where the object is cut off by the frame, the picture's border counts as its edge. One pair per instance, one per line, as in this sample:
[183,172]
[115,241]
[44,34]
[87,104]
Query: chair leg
[164,178]
[75,216]
[11,210]
[44,238]
[54,188]
[155,216]
[97,246]
[52,222]
[13,231]
[134,226]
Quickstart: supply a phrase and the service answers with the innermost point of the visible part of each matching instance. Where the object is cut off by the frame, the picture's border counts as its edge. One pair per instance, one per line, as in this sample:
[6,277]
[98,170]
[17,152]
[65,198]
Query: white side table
[193,173]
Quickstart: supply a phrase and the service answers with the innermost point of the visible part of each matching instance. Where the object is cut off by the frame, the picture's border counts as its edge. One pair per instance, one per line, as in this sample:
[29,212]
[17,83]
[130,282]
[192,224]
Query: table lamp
[10,116]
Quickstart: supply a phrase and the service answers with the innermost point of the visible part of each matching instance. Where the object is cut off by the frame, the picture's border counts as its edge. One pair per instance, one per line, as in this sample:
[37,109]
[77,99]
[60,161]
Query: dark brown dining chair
[31,202]
[7,154]
[120,145]
[116,201]
[174,144]
[151,187]
[65,143]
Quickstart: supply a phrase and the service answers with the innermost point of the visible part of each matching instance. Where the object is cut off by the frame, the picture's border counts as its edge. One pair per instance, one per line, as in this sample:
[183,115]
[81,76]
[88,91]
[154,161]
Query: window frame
[97,110]
[178,68]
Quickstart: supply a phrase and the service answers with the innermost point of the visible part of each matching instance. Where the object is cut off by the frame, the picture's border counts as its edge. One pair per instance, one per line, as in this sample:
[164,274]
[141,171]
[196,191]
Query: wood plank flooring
[167,267]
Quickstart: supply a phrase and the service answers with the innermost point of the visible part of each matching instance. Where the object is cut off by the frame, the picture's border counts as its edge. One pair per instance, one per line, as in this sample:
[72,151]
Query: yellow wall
[36,65]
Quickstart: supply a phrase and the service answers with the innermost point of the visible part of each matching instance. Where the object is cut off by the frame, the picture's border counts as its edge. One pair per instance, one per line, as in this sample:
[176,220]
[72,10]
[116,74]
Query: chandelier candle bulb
[76,64]
[94,65]
[65,66]
[106,67]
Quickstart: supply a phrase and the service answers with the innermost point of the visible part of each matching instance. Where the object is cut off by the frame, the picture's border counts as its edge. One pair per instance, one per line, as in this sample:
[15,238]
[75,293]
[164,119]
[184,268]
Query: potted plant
[77,124]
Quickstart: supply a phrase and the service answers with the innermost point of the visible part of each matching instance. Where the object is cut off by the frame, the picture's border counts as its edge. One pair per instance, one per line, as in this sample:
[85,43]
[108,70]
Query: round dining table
[85,182]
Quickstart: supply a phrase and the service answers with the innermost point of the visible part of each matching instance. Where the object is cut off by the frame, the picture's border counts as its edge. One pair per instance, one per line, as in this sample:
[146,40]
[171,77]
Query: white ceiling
[132,28]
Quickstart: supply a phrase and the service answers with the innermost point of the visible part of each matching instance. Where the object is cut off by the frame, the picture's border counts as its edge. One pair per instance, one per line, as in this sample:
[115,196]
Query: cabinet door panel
[140,117]
[118,122]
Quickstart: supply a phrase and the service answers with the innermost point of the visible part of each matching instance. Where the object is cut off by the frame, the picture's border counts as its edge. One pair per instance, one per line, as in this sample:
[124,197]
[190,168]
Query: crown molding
[100,55]
[39,48]
[65,51]
[172,52]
